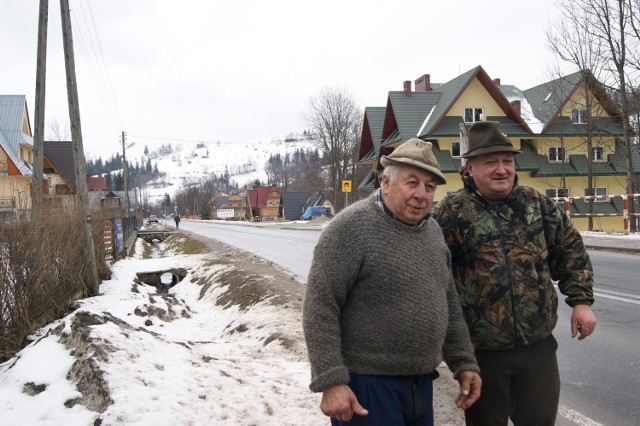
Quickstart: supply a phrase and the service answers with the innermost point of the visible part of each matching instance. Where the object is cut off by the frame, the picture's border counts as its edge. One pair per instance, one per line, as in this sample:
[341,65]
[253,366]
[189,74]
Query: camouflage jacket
[504,257]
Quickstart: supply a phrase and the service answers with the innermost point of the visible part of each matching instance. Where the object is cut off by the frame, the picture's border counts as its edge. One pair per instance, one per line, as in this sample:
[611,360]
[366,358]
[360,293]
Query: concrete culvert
[162,279]
[168,280]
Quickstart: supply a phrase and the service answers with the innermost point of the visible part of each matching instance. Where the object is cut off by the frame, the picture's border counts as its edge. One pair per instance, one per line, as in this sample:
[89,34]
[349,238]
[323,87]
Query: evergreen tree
[166,201]
[118,183]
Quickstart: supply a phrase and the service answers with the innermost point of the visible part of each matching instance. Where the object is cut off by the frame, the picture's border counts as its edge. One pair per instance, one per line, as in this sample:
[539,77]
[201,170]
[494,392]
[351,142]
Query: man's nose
[421,192]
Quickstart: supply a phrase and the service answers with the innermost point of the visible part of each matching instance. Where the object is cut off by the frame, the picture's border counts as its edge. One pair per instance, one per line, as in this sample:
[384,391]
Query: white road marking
[576,417]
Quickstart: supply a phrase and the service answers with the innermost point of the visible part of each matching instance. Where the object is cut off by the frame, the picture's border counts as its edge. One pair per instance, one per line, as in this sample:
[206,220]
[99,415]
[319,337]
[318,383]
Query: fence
[116,233]
[625,207]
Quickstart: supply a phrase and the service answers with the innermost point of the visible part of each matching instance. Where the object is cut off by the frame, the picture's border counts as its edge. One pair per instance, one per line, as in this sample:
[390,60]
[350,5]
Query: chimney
[496,81]
[423,84]
[517,107]
[407,87]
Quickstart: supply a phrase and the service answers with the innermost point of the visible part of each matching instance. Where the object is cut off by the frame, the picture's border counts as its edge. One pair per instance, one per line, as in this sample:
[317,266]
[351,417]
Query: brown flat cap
[417,153]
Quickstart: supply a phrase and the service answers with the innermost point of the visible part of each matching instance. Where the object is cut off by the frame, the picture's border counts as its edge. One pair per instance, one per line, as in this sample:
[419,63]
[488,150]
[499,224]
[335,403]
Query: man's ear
[468,166]
[385,181]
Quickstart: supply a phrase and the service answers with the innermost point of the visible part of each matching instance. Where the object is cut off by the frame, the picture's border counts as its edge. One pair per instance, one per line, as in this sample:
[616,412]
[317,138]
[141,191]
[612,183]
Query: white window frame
[597,153]
[599,191]
[554,153]
[453,154]
[579,115]
[556,192]
[477,114]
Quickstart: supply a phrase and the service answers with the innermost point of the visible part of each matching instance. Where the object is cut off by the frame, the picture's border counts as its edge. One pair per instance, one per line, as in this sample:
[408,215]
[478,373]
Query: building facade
[569,131]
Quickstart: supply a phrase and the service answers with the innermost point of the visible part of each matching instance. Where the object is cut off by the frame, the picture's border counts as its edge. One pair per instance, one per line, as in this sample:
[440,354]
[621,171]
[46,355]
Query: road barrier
[625,206]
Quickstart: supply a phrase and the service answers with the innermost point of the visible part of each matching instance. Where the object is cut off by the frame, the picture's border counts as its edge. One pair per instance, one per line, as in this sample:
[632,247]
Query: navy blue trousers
[393,400]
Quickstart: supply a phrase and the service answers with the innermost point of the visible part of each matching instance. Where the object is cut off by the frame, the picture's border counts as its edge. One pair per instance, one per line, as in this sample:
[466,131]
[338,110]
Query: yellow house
[568,130]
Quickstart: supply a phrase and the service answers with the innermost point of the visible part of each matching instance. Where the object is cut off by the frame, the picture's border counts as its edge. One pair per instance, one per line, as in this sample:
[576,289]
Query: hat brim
[491,149]
[385,161]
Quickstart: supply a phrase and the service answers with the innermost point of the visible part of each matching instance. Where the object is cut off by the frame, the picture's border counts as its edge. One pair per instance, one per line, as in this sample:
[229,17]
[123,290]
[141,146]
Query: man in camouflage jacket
[508,242]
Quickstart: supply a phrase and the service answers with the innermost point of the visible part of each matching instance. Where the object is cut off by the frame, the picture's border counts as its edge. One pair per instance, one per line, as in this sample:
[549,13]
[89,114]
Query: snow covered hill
[189,163]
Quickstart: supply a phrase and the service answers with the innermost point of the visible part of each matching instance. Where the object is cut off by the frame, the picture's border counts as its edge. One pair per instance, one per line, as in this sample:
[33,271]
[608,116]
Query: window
[471,115]
[556,192]
[579,116]
[556,153]
[599,191]
[455,149]
[597,153]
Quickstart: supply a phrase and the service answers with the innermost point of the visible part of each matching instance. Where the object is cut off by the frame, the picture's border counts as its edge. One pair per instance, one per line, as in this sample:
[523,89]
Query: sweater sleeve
[458,351]
[334,268]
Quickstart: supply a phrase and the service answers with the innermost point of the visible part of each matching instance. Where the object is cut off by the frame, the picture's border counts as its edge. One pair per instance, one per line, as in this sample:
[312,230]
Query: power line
[97,63]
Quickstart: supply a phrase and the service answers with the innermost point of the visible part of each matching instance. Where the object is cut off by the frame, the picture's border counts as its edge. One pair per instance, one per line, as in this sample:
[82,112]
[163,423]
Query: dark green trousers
[522,384]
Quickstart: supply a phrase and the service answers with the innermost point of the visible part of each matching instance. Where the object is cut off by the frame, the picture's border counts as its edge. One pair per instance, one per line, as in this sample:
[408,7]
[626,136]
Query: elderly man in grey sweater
[380,309]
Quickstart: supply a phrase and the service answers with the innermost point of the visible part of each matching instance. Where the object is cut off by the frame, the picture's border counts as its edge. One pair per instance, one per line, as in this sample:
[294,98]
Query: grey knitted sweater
[380,300]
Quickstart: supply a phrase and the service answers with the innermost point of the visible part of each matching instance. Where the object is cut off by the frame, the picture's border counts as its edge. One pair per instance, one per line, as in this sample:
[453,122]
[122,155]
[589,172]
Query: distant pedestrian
[177,220]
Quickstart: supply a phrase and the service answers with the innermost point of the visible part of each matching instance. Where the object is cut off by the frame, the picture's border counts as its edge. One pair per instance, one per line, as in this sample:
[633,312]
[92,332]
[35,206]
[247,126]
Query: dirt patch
[251,278]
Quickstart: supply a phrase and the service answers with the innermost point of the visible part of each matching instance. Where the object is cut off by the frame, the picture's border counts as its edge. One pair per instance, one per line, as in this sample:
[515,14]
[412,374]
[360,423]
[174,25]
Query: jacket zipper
[498,221]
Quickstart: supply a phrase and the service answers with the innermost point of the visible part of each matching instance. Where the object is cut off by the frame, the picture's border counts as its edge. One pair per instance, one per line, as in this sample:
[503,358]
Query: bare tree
[335,121]
[58,131]
[593,33]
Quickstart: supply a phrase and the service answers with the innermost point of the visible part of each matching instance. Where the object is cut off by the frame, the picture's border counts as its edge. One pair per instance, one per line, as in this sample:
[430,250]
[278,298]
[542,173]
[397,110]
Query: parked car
[153,218]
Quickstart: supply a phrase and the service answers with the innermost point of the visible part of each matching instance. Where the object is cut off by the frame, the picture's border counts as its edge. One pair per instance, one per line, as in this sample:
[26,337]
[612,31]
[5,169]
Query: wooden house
[264,203]
[16,157]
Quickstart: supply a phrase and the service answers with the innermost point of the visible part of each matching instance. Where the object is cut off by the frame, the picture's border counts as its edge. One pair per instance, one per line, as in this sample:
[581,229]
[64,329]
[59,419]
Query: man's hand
[470,384]
[583,321]
[341,403]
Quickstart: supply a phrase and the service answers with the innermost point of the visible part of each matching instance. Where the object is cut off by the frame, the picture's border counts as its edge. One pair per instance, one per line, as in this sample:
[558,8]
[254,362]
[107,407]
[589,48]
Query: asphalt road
[600,374]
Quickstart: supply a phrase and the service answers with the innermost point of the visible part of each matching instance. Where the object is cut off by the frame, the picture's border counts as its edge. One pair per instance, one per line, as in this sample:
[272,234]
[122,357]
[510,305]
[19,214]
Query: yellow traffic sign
[346,186]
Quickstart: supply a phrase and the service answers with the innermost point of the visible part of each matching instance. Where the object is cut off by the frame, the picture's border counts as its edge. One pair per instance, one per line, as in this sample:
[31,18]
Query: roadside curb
[628,250]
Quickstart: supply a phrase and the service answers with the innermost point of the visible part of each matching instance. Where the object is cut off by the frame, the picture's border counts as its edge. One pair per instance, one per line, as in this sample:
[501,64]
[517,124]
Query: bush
[42,270]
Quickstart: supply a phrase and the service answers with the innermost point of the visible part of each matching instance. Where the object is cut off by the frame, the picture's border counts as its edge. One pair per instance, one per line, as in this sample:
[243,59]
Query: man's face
[410,194]
[493,173]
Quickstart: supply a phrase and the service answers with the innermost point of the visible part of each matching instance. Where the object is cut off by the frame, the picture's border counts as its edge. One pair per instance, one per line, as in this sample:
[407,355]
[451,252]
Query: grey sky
[244,70]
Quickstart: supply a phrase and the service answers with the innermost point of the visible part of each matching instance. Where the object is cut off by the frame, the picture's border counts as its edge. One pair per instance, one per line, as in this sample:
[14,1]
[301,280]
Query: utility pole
[82,192]
[38,134]
[124,175]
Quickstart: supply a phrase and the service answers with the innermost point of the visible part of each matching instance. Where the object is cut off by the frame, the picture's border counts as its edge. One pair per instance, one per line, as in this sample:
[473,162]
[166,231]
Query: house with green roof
[559,126]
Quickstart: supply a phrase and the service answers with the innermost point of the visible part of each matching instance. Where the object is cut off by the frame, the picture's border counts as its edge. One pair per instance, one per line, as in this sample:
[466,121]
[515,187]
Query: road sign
[346,186]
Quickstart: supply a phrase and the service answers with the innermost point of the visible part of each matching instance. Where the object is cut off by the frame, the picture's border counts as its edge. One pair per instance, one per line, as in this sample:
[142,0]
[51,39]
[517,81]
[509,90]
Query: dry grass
[42,269]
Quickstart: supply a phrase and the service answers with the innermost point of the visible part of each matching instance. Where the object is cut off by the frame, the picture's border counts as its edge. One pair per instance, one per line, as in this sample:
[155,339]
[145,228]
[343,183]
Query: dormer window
[598,191]
[556,192]
[455,149]
[597,153]
[472,115]
[579,116]
[556,153]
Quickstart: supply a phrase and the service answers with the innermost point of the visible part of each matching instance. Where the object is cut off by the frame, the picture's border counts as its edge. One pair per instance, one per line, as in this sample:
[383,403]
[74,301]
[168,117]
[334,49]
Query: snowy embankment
[224,346]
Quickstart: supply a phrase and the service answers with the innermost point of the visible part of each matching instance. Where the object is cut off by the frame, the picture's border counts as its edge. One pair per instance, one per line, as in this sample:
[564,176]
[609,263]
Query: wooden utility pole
[82,193]
[38,133]
[124,176]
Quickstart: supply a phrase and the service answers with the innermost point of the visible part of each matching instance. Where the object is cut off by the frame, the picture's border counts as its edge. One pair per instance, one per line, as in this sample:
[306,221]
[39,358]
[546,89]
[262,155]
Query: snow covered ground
[219,348]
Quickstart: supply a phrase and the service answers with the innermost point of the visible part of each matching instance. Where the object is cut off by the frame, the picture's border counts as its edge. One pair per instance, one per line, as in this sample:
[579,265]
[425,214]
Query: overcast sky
[235,71]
